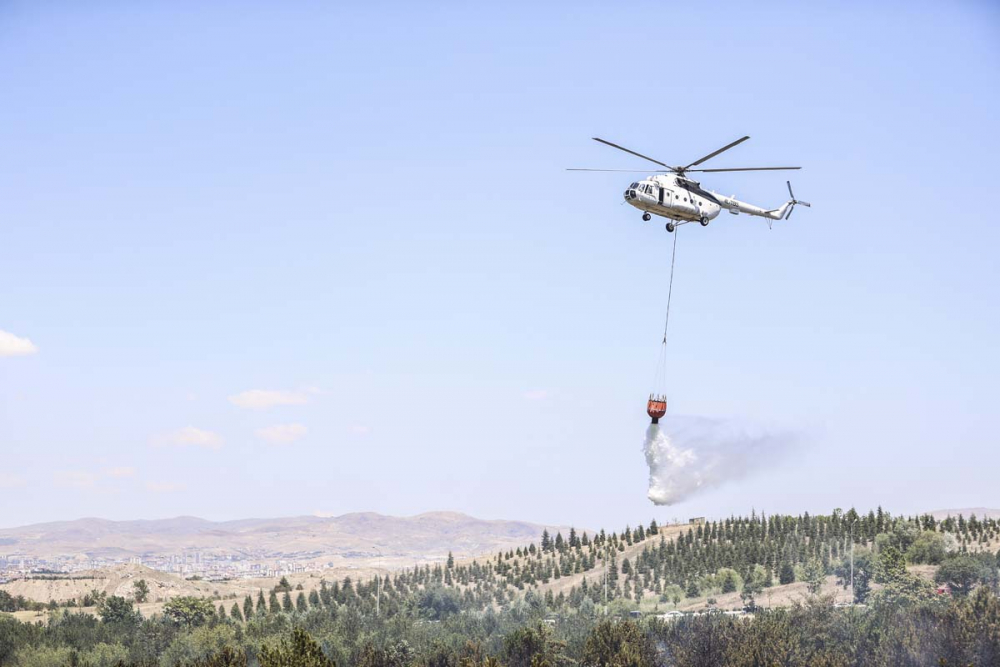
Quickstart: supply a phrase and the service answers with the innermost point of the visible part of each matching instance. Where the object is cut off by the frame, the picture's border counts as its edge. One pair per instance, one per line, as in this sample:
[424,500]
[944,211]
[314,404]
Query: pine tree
[300,602]
[273,605]
[546,540]
[221,613]
[248,607]
[451,559]
[235,613]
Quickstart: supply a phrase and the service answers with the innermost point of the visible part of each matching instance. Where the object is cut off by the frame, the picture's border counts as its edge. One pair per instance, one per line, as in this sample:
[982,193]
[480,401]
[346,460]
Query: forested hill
[925,591]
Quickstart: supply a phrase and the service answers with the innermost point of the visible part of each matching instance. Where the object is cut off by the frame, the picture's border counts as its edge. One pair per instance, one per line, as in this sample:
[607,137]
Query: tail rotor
[794,201]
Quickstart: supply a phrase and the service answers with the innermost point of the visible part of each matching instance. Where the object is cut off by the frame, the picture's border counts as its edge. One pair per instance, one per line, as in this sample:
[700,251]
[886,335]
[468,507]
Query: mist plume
[701,454]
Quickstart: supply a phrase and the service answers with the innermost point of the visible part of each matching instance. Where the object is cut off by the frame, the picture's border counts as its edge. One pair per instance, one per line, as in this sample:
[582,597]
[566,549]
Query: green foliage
[889,565]
[437,602]
[786,575]
[814,575]
[533,646]
[929,547]
[117,609]
[753,586]
[188,610]
[227,657]
[299,650]
[864,568]
[728,580]
[44,656]
[140,591]
[618,644]
[204,643]
[962,573]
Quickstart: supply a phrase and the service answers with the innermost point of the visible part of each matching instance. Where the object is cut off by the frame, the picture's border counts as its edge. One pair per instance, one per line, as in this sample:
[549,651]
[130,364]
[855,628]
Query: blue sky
[362,214]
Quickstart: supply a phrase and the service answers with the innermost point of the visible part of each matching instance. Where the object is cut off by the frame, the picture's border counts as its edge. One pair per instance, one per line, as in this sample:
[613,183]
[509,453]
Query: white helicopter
[675,196]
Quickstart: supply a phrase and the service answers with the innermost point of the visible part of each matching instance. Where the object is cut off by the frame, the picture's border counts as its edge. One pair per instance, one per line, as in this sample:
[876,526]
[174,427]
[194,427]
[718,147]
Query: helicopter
[671,194]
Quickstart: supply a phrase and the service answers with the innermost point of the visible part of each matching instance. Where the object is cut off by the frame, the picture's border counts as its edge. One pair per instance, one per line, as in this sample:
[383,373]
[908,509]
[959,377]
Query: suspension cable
[670,288]
[660,371]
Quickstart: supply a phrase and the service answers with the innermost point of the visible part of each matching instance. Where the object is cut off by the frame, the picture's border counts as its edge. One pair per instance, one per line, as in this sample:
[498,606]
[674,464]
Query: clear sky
[278,259]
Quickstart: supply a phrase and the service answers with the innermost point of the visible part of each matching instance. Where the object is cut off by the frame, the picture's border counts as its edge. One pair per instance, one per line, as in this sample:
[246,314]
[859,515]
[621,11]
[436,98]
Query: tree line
[501,610]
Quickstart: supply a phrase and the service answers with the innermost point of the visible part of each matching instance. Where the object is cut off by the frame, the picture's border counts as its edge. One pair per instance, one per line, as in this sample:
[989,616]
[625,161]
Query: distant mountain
[428,536]
[980,512]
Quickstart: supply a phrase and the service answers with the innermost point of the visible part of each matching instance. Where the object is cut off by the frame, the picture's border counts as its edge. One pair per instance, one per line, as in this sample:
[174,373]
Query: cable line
[657,405]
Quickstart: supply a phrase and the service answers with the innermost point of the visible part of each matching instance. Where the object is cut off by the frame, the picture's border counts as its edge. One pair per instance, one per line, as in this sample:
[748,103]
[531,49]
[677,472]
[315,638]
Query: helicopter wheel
[704,221]
[646,217]
[671,227]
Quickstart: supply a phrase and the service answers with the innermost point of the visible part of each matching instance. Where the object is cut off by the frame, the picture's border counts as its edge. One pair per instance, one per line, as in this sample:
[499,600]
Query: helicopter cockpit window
[634,185]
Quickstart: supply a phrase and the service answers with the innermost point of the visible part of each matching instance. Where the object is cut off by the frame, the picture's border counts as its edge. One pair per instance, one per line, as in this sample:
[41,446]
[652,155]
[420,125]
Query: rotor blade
[721,150]
[804,203]
[789,214]
[790,193]
[631,171]
[621,148]
[745,169]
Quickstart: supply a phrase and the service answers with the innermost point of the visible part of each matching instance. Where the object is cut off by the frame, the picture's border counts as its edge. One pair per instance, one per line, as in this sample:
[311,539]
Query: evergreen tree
[235,613]
[286,602]
[273,605]
[300,602]
[140,591]
[786,575]
[451,559]
[814,576]
[248,607]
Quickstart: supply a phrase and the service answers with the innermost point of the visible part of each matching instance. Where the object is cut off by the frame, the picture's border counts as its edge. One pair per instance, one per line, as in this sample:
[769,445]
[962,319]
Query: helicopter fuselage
[682,199]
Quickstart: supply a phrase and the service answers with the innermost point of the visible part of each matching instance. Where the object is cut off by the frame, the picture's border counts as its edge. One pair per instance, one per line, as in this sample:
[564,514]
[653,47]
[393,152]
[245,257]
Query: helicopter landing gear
[671,227]
[646,217]
[704,221]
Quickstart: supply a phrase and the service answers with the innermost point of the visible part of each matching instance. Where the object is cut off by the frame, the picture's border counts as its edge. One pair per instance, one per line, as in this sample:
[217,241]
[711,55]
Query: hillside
[339,539]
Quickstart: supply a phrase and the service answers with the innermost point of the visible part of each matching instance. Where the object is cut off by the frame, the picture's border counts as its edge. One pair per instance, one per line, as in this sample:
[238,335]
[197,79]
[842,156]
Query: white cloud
[164,487]
[262,399]
[75,479]
[15,346]
[120,472]
[189,436]
[8,481]
[282,434]
[537,394]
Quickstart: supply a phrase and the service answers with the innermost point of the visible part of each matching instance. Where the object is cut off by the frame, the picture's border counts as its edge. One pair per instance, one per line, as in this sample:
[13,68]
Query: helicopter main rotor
[680,171]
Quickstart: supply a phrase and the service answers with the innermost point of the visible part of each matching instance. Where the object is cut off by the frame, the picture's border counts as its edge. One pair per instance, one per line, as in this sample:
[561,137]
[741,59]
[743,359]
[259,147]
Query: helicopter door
[660,200]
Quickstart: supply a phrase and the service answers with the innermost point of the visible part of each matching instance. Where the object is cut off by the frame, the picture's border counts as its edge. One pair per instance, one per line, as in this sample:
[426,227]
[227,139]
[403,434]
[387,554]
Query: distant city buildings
[190,563]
